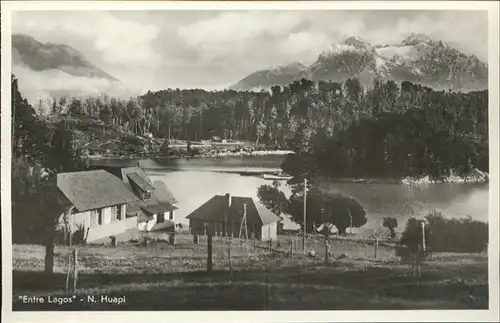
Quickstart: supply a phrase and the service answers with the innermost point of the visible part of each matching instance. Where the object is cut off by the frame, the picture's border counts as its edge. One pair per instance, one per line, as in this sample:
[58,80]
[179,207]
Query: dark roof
[217,209]
[93,189]
[125,172]
[140,181]
[160,201]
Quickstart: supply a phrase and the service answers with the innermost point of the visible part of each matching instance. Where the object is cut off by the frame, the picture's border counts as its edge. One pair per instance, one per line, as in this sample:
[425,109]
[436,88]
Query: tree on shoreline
[335,129]
[326,209]
[391,224]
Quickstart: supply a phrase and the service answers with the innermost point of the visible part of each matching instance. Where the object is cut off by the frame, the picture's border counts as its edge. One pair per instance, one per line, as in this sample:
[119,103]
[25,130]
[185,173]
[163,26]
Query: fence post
[326,251]
[254,242]
[75,269]
[291,247]
[230,261]
[209,258]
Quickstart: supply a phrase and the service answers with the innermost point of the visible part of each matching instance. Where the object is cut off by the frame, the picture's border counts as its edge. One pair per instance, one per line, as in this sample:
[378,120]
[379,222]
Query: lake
[194,181]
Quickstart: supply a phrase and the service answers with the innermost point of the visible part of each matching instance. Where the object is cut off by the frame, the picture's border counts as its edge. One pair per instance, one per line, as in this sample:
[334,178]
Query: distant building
[223,215]
[97,201]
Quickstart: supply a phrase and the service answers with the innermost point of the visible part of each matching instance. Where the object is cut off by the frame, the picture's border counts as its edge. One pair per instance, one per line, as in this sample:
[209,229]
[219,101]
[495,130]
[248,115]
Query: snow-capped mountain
[418,59]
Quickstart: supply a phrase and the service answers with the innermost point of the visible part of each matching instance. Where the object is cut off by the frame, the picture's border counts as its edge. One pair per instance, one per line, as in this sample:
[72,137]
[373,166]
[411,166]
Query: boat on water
[364,181]
[250,174]
[277,177]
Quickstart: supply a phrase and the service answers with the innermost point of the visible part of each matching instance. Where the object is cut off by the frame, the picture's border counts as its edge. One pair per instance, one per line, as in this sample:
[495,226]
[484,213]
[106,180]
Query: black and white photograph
[272,156]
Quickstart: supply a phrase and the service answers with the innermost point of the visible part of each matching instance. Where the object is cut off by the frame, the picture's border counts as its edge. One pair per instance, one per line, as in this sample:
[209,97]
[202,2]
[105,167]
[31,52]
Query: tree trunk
[341,230]
[200,134]
[49,252]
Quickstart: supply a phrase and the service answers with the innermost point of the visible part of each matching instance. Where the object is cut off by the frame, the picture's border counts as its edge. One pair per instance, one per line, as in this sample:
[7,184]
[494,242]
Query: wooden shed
[226,215]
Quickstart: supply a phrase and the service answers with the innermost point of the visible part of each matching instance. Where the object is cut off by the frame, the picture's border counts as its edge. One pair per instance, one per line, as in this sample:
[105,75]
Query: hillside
[37,56]
[278,76]
[417,58]
[49,70]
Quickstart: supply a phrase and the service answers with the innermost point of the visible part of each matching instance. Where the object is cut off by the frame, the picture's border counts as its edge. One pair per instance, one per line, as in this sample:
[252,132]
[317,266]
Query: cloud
[158,49]
[36,86]
[118,41]
[304,44]
[250,36]
[227,27]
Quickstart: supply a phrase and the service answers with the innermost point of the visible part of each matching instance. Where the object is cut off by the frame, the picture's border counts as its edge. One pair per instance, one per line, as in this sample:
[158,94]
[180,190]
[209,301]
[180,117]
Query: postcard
[284,161]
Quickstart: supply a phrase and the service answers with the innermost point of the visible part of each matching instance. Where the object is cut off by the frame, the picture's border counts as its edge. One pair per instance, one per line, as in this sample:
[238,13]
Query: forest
[337,129]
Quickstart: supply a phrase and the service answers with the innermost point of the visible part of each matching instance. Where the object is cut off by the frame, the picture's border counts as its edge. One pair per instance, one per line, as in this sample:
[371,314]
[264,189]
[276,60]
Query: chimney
[228,197]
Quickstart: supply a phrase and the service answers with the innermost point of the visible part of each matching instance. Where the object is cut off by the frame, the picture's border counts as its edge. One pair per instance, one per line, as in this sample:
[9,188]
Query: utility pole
[244,222]
[423,236]
[305,207]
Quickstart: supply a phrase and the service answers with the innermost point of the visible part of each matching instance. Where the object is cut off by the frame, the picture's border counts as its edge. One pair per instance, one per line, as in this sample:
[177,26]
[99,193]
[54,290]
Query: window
[171,215]
[118,212]
[93,217]
[99,217]
[160,218]
[146,195]
[113,213]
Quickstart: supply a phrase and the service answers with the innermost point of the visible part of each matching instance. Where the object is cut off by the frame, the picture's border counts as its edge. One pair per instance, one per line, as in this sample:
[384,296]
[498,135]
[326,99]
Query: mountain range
[417,58]
[27,51]
[49,70]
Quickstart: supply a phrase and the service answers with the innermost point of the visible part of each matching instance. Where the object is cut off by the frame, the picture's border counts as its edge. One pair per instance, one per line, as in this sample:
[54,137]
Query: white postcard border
[251,316]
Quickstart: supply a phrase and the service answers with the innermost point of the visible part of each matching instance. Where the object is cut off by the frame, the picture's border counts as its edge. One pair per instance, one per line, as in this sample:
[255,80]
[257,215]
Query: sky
[214,49]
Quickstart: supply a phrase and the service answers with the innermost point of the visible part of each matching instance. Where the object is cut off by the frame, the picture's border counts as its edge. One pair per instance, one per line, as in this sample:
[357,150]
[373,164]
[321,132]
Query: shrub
[456,235]
[446,235]
[391,224]
[164,150]
[412,234]
[132,140]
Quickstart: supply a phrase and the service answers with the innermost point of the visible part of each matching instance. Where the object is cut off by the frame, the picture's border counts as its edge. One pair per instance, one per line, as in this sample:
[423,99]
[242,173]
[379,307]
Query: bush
[391,224]
[446,235]
[456,235]
[132,140]
[412,235]
[79,236]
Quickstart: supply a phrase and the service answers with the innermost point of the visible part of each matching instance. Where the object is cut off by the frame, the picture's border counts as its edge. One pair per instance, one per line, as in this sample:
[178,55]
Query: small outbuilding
[226,215]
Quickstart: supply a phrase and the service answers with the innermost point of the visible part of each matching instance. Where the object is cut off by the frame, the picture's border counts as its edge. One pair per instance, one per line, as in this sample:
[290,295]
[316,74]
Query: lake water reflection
[194,181]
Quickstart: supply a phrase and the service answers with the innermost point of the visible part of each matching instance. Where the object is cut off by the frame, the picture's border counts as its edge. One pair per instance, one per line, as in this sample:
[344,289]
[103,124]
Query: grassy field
[162,277]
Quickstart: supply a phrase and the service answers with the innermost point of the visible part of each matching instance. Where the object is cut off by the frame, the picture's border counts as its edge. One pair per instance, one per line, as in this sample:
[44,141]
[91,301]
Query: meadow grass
[162,277]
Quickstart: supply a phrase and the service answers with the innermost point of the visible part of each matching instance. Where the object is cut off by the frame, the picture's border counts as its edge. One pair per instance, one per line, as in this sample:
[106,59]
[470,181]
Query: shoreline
[474,177]
[206,155]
